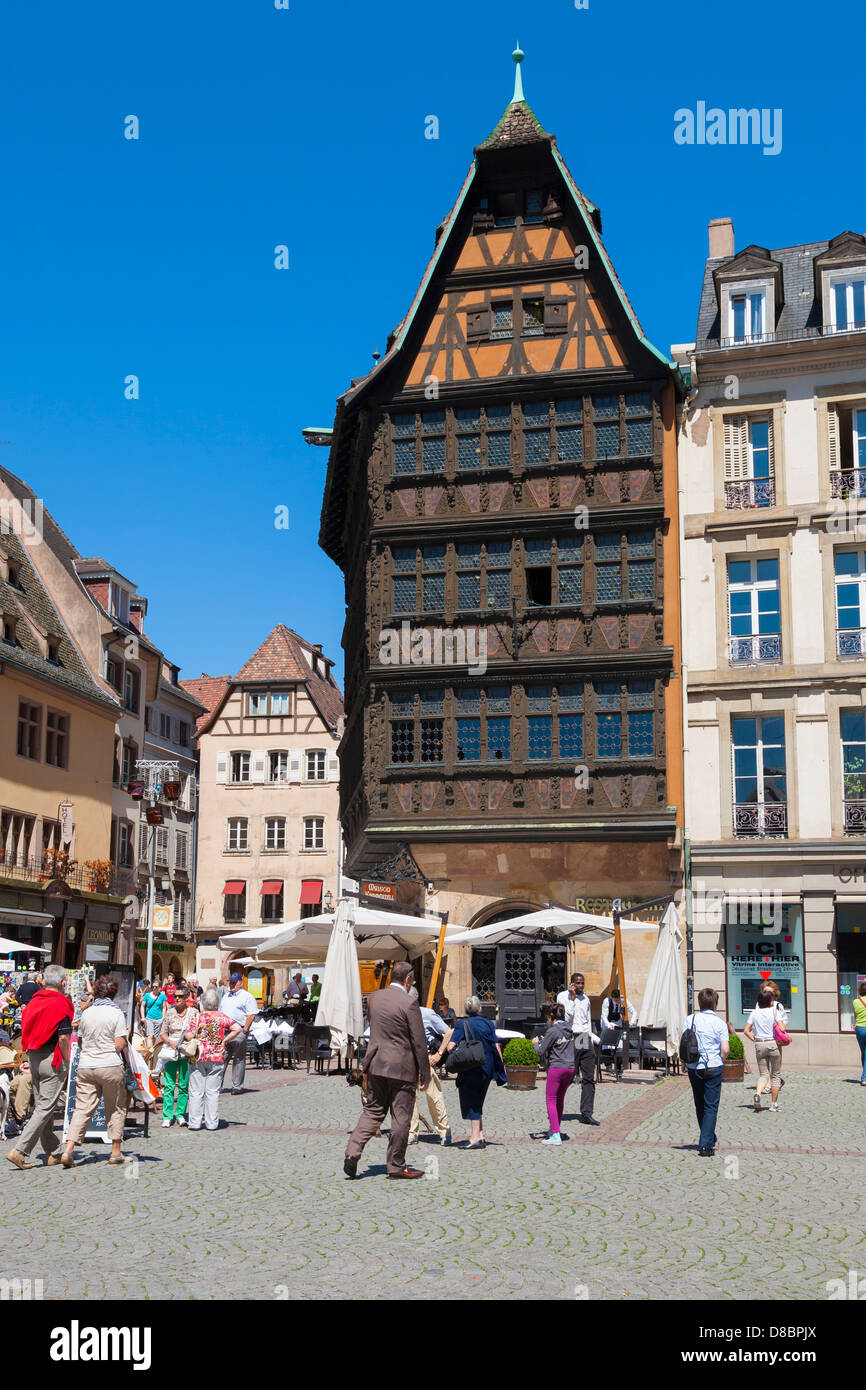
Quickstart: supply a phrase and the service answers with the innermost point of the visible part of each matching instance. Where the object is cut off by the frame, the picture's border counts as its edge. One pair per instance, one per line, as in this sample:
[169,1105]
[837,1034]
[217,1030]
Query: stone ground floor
[261,1209]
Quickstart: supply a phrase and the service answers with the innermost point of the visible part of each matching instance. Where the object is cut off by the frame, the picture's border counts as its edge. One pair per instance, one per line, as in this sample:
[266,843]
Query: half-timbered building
[501,496]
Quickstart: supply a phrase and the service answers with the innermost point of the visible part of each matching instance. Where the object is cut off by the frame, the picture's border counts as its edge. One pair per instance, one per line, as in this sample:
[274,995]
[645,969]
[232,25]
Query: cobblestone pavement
[262,1210]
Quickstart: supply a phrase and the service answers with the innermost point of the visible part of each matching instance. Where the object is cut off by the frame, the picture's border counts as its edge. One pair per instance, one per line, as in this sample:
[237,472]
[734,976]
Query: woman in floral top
[211,1030]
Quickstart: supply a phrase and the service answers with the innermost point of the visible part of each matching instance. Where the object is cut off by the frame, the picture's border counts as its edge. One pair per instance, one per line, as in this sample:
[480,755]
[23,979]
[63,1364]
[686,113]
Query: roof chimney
[721,238]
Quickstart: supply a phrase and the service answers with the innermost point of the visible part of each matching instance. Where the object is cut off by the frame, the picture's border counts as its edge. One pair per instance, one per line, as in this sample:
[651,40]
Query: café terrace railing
[769,820]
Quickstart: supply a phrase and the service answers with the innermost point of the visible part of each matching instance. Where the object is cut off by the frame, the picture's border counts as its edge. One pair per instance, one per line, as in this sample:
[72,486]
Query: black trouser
[585,1065]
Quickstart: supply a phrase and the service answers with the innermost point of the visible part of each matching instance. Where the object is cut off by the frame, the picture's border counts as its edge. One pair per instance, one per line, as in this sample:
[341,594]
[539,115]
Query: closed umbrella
[664,1000]
[340,1001]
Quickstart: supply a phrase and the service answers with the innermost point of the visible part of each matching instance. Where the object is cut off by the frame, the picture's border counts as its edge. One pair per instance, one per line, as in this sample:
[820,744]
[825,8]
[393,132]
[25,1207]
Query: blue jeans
[861,1039]
[707,1091]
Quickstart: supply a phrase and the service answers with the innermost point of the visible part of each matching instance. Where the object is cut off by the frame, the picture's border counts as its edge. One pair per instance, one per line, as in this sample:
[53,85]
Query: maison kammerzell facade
[505,480]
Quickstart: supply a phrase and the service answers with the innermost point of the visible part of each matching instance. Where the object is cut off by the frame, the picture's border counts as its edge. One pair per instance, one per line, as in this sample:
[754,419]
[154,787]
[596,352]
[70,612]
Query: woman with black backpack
[474,1042]
[704,1047]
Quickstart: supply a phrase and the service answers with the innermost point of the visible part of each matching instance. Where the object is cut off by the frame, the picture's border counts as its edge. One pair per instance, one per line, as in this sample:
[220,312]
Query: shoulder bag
[468,1053]
[780,1033]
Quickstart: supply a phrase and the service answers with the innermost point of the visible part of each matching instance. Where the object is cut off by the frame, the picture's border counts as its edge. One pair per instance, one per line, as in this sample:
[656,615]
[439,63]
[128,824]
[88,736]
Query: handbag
[780,1033]
[468,1054]
[190,1049]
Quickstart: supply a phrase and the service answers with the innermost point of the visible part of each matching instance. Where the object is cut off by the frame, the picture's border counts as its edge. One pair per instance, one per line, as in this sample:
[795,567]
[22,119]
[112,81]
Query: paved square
[262,1210]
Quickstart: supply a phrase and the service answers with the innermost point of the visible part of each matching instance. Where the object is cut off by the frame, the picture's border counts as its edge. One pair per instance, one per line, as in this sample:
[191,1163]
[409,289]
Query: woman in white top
[102,1036]
[759,1030]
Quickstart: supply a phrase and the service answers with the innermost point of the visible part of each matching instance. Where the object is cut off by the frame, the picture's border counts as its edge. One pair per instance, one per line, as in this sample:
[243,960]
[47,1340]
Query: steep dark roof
[33,607]
[801,310]
[518,125]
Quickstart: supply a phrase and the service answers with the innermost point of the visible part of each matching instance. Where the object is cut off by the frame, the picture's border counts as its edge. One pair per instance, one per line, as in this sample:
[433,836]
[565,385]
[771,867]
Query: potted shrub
[521,1064]
[732,1069]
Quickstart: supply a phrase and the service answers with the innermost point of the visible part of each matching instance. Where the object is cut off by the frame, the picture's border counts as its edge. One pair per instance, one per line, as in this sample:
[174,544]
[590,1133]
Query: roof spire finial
[518,55]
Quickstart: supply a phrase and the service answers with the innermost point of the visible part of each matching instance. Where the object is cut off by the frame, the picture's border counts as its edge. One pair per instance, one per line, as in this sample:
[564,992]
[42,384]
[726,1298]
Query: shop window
[765,942]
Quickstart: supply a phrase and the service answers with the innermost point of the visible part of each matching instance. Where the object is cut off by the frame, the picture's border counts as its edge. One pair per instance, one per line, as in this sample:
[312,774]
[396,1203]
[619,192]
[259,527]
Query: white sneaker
[166,1124]
[774,1105]
[181,1119]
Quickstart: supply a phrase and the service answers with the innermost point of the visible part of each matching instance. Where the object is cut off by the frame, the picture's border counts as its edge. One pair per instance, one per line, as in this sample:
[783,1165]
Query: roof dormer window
[847,302]
[119,603]
[13,576]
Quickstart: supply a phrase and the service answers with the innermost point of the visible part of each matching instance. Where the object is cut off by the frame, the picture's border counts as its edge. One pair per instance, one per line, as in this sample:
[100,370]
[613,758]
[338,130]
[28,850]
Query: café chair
[653,1049]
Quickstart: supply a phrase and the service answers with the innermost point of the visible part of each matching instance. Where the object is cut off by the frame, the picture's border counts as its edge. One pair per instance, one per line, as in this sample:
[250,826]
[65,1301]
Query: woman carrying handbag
[175,1058]
[474,1056]
[766,1028]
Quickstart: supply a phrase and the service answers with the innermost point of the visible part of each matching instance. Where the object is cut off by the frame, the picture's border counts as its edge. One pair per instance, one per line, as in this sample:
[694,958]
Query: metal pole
[151,901]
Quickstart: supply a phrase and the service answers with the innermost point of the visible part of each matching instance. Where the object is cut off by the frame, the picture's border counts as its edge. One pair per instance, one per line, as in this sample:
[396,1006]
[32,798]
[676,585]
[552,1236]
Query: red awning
[272,886]
[234,887]
[311,890]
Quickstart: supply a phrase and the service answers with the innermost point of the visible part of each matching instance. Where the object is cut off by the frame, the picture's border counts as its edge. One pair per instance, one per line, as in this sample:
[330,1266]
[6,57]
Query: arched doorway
[176,967]
[138,966]
[514,979]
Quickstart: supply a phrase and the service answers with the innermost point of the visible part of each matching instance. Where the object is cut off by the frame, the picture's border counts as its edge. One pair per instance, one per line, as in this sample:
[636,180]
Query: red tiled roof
[209,691]
[278,658]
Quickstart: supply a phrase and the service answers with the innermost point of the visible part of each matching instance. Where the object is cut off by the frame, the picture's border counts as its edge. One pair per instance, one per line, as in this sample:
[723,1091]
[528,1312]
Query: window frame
[237,827]
[314,834]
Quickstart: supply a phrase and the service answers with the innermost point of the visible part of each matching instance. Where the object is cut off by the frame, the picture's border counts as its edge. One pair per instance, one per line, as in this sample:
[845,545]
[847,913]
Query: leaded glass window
[498,699]
[502,326]
[608,546]
[498,436]
[498,574]
[536,432]
[540,737]
[538,552]
[641,543]
[639,436]
[609,735]
[569,551]
[608,582]
[570,697]
[432,701]
[468,426]
[433,454]
[607,439]
[402,705]
[569,412]
[608,694]
[539,697]
[641,579]
[605,407]
[638,403]
[640,694]
[533,318]
[569,442]
[534,206]
[640,734]
[404,455]
[433,422]
[402,741]
[404,593]
[469,700]
[404,425]
[431,740]
[404,559]
[469,740]
[469,575]
[433,580]
[571,735]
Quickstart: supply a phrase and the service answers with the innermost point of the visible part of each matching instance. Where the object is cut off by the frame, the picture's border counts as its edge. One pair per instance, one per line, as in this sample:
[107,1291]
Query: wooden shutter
[295,760]
[736,448]
[333,767]
[833,437]
[771,439]
[258,765]
[222,767]
[555,313]
[478,322]
[142,840]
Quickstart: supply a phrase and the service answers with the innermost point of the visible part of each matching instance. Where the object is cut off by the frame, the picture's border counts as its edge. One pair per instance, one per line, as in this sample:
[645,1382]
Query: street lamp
[329,900]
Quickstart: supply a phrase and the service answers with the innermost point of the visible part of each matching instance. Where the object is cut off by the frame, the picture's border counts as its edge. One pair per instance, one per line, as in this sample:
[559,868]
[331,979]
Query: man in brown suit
[397,1062]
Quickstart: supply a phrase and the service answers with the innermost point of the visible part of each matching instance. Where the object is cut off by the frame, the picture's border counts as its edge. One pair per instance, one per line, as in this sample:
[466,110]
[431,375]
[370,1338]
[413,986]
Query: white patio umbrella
[664,1000]
[250,938]
[379,934]
[551,923]
[22,948]
[340,1001]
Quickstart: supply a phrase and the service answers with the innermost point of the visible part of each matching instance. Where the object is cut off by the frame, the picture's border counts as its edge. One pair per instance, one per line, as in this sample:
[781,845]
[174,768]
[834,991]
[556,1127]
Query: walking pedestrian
[860,1028]
[576,1004]
[240,1006]
[395,1063]
[705,1075]
[557,1045]
[212,1030]
[175,1024]
[473,1084]
[153,1004]
[759,1030]
[438,1035]
[102,1038]
[46,1028]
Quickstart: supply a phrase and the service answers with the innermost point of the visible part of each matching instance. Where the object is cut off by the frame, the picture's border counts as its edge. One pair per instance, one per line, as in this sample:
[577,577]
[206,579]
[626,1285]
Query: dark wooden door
[518,981]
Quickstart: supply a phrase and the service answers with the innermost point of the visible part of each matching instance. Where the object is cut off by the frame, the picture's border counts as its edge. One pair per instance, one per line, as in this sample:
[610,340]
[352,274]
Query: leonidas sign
[386,891]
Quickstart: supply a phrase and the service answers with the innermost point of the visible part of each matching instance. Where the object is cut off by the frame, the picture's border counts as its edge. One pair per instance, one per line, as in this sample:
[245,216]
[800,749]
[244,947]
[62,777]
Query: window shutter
[333,768]
[189,793]
[555,313]
[258,765]
[771,438]
[833,437]
[736,447]
[142,840]
[222,767]
[295,764]
[478,322]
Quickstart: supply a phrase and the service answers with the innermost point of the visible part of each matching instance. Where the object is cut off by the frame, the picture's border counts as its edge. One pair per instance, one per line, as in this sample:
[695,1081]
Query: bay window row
[562,722]
[536,433]
[471,576]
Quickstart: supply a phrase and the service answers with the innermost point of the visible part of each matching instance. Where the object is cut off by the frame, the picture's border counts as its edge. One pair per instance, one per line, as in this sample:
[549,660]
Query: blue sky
[305,127]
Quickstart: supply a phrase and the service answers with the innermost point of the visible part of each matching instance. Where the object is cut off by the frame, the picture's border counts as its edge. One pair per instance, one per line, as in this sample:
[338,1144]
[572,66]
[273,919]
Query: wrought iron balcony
[855,817]
[749,493]
[848,482]
[850,642]
[756,650]
[95,876]
[769,820]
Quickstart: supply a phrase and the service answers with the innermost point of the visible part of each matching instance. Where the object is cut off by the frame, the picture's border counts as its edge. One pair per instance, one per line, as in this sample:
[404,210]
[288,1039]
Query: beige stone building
[773,473]
[269,848]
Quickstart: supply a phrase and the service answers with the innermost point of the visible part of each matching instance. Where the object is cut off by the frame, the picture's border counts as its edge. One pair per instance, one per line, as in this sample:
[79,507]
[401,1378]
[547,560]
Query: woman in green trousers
[175,1023]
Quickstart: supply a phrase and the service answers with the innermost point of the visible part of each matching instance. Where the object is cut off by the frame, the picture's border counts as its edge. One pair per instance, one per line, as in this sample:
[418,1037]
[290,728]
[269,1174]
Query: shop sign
[386,892]
[104,934]
[603,907]
[753,957]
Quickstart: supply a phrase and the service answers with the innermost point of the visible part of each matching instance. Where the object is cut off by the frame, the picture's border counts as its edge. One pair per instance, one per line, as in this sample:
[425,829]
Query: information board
[98,1125]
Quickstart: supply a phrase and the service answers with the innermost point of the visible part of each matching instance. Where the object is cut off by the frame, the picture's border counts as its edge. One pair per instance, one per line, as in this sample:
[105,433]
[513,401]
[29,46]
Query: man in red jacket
[397,1062]
[46,1024]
